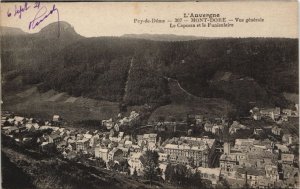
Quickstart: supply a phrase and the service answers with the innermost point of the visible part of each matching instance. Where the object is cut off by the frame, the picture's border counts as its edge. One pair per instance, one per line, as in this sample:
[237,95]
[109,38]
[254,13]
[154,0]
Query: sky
[280,19]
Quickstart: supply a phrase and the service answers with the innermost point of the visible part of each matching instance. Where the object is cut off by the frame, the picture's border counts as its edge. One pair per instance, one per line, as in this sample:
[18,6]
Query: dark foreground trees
[179,175]
[150,163]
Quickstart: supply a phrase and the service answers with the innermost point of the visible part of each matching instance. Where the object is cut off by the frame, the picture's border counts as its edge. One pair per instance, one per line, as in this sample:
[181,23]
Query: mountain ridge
[11,31]
[164,37]
[100,67]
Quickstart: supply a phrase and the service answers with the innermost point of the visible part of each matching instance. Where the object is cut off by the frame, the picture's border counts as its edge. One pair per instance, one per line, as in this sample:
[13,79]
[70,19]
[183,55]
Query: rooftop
[251,171]
[185,147]
[215,171]
[287,157]
[201,141]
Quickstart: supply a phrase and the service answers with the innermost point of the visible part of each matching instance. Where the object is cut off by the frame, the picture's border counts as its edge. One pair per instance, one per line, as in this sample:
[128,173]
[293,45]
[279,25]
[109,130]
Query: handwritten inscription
[20,9]
[41,15]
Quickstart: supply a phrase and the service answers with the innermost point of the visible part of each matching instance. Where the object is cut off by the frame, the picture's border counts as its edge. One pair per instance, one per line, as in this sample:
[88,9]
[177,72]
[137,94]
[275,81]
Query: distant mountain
[32,50]
[9,31]
[163,37]
[62,29]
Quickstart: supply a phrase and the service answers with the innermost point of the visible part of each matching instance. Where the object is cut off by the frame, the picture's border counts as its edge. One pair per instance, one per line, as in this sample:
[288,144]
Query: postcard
[150,94]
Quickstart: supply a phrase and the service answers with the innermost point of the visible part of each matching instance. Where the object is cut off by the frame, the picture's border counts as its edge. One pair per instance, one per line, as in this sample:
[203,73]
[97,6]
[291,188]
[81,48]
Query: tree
[191,162]
[111,164]
[179,174]
[195,181]
[135,173]
[246,186]
[223,184]
[176,174]
[124,166]
[161,118]
[100,162]
[168,172]
[150,163]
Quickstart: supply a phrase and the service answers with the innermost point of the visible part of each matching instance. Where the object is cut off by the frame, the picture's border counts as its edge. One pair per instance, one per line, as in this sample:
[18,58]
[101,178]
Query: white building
[212,174]
[101,153]
[135,163]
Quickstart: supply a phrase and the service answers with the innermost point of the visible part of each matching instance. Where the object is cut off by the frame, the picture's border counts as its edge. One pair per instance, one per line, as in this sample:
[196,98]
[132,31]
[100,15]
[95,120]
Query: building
[212,174]
[94,140]
[101,153]
[11,121]
[163,166]
[272,172]
[162,157]
[243,144]
[196,151]
[287,112]
[216,129]
[56,118]
[135,163]
[289,139]
[150,138]
[255,113]
[227,148]
[273,113]
[252,175]
[108,123]
[208,127]
[228,164]
[235,127]
[199,119]
[282,148]
[246,153]
[54,138]
[10,130]
[287,159]
[290,174]
[115,155]
[82,145]
[32,127]
[18,120]
[258,131]
[276,131]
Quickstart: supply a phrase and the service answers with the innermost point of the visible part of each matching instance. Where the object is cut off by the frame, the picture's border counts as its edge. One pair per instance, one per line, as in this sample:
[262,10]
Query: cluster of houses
[117,146]
[119,122]
[259,163]
[275,114]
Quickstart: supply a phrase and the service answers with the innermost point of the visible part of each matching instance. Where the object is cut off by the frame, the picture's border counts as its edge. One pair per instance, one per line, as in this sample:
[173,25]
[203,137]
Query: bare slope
[184,103]
[72,109]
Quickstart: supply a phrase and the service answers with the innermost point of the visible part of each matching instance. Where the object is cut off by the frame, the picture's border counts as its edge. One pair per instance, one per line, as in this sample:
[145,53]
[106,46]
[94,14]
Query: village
[219,149]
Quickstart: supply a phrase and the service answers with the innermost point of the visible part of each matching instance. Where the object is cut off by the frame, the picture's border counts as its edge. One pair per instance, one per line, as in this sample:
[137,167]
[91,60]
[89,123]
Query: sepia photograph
[144,95]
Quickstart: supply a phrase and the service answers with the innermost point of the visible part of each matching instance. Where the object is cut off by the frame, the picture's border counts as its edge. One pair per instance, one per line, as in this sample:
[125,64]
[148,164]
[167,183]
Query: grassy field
[30,102]
[72,109]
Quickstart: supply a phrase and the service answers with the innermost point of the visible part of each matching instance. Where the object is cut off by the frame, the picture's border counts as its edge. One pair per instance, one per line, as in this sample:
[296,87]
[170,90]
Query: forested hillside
[133,71]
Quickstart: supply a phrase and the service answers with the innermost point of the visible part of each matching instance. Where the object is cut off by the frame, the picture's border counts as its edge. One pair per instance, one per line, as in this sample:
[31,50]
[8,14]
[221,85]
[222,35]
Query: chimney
[227,148]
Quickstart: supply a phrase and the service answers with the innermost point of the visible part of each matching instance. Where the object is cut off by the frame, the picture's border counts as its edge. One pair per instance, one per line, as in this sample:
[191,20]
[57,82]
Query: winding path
[178,84]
